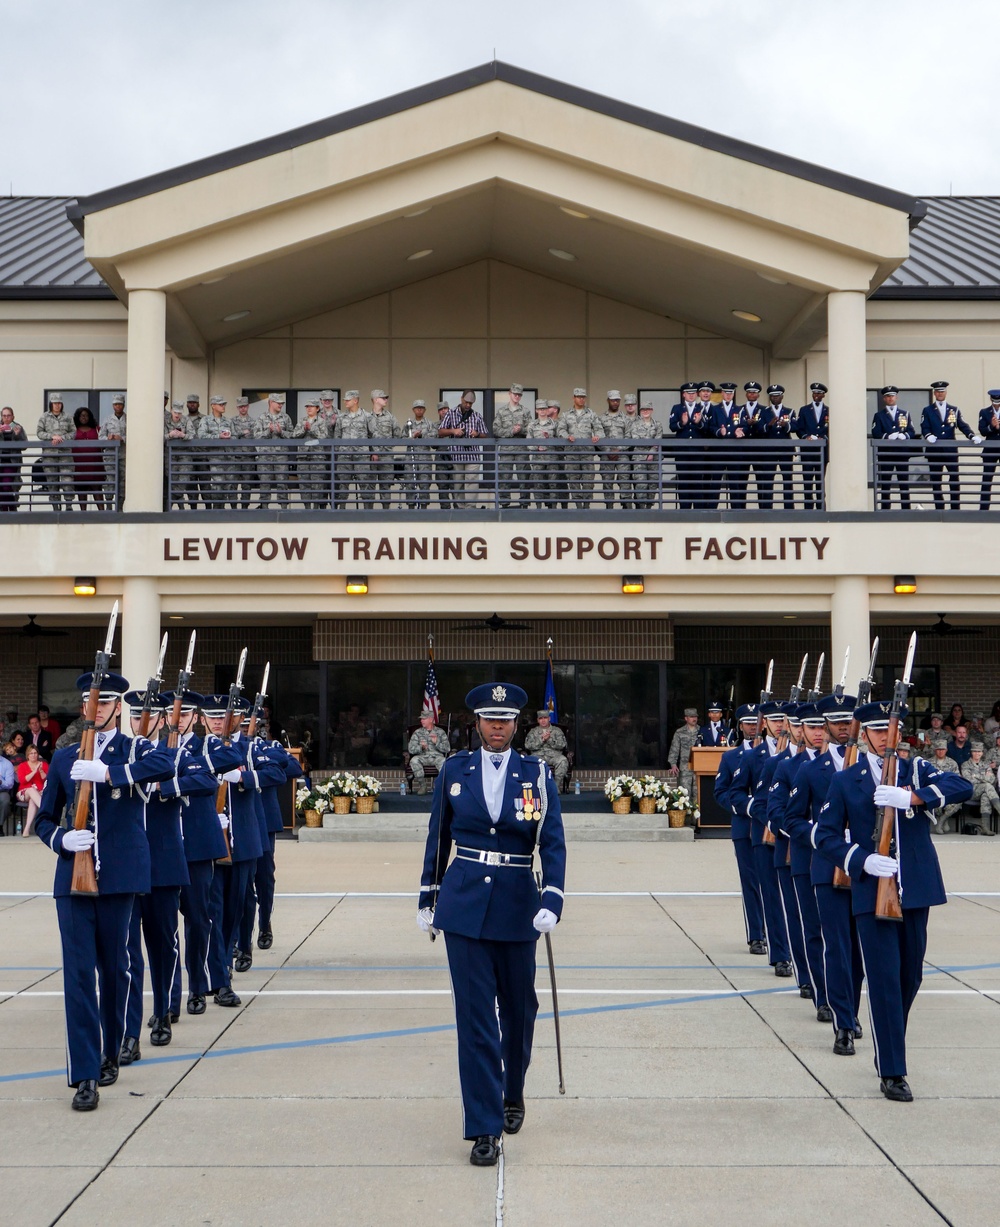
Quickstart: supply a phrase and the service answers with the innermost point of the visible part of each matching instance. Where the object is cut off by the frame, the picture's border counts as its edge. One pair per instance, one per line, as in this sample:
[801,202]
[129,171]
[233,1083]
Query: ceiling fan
[947,628]
[31,629]
[493,623]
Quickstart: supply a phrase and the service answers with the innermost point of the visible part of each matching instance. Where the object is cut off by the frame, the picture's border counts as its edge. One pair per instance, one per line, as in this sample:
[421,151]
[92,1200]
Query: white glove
[881,866]
[977,439]
[545,921]
[931,438]
[224,822]
[78,841]
[89,769]
[895,798]
[425,919]
[234,776]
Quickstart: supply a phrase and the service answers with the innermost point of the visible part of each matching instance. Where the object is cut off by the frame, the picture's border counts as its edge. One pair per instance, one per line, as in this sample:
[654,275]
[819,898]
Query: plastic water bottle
[576,787]
[402,787]
[18,830]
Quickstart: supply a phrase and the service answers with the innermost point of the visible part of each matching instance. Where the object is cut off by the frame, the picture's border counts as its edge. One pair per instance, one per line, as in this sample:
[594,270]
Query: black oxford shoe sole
[485,1152]
[196,1003]
[87,1097]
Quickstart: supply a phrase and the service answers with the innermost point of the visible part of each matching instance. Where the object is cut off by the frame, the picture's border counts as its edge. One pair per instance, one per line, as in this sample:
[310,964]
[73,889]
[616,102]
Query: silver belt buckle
[494,858]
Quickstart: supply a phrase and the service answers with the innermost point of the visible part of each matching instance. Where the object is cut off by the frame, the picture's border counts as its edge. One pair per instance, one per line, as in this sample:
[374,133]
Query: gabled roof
[41,254]
[497,71]
[954,253]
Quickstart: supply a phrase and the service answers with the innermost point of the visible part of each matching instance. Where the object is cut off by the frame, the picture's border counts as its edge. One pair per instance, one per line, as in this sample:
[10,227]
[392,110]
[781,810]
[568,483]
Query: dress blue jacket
[270,801]
[931,423]
[168,807]
[198,785]
[477,899]
[783,814]
[844,833]
[121,850]
[804,423]
[986,428]
[805,800]
[731,789]
[886,422]
[722,423]
[765,765]
[771,425]
[708,737]
[692,429]
[247,834]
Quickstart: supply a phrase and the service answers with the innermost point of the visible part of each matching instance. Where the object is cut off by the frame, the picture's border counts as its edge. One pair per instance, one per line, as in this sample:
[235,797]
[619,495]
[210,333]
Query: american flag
[431,698]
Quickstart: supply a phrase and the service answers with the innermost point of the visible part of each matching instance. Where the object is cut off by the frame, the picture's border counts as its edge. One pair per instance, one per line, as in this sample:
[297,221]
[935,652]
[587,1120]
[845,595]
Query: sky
[97,94]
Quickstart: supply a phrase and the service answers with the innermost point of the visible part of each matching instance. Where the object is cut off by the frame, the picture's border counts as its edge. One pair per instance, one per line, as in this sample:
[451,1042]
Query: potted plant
[367,788]
[653,790]
[679,804]
[312,803]
[341,787]
[620,789]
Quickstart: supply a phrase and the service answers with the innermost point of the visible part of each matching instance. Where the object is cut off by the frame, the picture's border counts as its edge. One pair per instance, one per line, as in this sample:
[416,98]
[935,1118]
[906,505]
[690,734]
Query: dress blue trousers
[774,917]
[893,954]
[812,937]
[753,908]
[841,954]
[154,916]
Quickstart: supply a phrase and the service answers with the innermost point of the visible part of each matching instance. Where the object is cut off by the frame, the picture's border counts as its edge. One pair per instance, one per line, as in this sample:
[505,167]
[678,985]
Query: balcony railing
[916,476]
[78,475]
[623,475]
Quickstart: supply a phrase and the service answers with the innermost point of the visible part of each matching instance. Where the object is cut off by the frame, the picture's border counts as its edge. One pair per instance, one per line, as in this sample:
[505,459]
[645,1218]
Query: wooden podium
[705,763]
[287,794]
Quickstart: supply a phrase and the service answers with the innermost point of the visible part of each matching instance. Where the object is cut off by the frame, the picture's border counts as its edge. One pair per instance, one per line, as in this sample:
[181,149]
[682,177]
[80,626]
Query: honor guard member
[734,803]
[272,456]
[686,422]
[752,409]
[895,425]
[328,410]
[382,426]
[989,430]
[806,726]
[580,426]
[727,420]
[983,789]
[350,461]
[681,744]
[711,465]
[547,741]
[774,422]
[812,424]
[510,421]
[716,731]
[614,461]
[312,458]
[841,953]
[893,952]
[113,430]
[56,428]
[94,928]
[216,469]
[938,424]
[419,458]
[543,456]
[645,460]
[428,747]
[497,806]
[154,915]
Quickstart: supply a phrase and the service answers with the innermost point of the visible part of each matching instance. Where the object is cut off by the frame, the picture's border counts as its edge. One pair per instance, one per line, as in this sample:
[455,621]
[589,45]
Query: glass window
[366,705]
[663,400]
[912,400]
[924,696]
[57,691]
[295,708]
[618,719]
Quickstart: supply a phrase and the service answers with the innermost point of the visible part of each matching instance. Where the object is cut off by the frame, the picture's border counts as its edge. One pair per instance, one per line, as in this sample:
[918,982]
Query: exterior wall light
[85,585]
[632,584]
[904,585]
[357,585]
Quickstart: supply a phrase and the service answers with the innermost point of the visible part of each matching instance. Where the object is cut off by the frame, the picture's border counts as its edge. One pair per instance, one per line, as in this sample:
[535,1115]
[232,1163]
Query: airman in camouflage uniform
[511,421]
[992,757]
[419,458]
[428,747]
[942,762]
[679,756]
[114,463]
[192,473]
[382,470]
[218,461]
[645,464]
[350,463]
[544,457]
[615,463]
[983,787]
[580,426]
[313,458]
[244,464]
[55,427]
[175,430]
[547,741]
[272,456]
[328,410]
[444,472]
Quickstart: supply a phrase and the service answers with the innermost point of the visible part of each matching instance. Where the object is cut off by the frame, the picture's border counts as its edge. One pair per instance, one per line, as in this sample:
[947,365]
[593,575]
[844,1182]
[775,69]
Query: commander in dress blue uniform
[893,423]
[716,732]
[812,422]
[989,430]
[893,951]
[94,928]
[938,424]
[497,806]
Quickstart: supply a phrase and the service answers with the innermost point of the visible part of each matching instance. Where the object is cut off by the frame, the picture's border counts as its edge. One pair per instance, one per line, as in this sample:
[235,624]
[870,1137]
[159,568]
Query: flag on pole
[431,698]
[550,690]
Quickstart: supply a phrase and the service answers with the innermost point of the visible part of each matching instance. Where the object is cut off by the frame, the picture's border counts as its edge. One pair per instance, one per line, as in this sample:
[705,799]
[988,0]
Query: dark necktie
[496,760]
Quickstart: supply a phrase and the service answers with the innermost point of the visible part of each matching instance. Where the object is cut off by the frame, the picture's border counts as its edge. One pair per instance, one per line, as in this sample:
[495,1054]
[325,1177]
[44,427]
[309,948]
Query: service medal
[529,804]
[456,789]
[116,794]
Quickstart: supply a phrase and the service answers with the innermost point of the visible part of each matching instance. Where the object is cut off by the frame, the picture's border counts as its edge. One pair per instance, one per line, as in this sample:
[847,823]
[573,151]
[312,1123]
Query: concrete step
[595,827]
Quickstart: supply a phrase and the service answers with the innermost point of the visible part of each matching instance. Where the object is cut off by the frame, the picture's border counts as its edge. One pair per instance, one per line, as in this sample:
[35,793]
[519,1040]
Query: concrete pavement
[699,1087]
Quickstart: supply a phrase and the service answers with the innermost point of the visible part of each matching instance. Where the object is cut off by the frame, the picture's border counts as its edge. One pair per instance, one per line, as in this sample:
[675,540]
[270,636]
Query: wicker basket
[622,806]
[364,805]
[647,805]
[676,817]
[341,805]
[313,818]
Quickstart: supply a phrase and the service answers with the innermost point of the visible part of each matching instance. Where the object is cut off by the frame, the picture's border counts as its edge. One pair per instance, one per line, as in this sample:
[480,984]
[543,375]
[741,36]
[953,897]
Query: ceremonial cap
[497,700]
[135,700]
[706,383]
[837,709]
[940,383]
[747,711]
[727,387]
[890,389]
[113,685]
[809,714]
[191,700]
[752,386]
[994,395]
[876,715]
[713,706]
[775,389]
[771,708]
[689,387]
[818,387]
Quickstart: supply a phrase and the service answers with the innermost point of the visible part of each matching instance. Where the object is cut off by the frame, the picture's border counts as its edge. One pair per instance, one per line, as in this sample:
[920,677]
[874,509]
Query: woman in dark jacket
[11,454]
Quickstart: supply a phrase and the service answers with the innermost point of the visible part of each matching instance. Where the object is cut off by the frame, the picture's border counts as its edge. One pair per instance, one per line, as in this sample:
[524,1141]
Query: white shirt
[494,780]
[875,767]
[837,753]
[100,741]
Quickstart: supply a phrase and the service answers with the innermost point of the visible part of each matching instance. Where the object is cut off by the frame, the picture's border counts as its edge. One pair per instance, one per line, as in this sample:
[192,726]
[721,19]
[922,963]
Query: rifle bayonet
[838,690]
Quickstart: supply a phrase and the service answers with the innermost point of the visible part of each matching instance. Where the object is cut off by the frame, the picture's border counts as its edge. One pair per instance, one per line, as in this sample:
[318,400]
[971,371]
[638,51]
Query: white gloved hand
[881,866]
[224,821]
[895,798]
[78,841]
[425,919]
[977,439]
[89,769]
[931,438]
[234,776]
[545,921]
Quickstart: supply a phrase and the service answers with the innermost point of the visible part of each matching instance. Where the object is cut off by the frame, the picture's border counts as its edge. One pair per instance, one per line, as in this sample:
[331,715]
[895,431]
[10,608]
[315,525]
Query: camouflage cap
[311,403]
[118,398]
[631,399]
[443,404]
[193,396]
[543,713]
[614,394]
[276,398]
[938,743]
[242,400]
[326,394]
[419,404]
[541,404]
[690,711]
[218,400]
[579,391]
[646,404]
[379,394]
[553,404]
[178,405]
[352,394]
[55,398]
[976,744]
[517,389]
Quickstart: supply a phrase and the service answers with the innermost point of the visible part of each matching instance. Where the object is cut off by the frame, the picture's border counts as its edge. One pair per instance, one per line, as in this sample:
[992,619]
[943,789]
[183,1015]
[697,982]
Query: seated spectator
[37,736]
[88,464]
[11,434]
[50,725]
[942,762]
[991,725]
[959,748]
[14,749]
[977,731]
[955,717]
[983,787]
[428,747]
[927,736]
[8,787]
[31,780]
[548,742]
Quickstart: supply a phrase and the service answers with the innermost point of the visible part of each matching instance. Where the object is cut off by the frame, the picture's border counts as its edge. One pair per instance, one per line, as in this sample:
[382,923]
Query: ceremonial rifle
[814,694]
[841,880]
[731,717]
[765,697]
[227,738]
[183,682]
[258,703]
[152,689]
[887,904]
[838,690]
[84,880]
[794,696]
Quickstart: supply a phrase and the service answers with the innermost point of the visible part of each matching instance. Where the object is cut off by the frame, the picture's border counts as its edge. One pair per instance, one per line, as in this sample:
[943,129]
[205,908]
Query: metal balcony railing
[78,475]
[913,475]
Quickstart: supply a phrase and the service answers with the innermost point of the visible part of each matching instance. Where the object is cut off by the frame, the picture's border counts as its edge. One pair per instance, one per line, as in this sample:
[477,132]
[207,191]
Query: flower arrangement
[680,799]
[618,786]
[653,787]
[341,784]
[366,786]
[315,798]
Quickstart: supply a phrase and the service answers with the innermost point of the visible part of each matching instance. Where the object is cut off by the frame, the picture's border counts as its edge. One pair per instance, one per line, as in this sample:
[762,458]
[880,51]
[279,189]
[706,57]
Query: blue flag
[550,692]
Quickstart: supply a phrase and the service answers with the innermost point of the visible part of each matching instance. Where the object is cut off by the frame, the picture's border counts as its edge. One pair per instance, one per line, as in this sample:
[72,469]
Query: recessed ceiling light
[574,213]
[749,316]
[790,617]
[419,255]
[560,254]
[235,315]
[418,212]
[214,280]
[176,617]
[773,280]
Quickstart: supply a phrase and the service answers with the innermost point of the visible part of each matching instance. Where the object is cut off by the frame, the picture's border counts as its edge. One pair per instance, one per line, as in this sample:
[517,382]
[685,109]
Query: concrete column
[849,627]
[140,623]
[847,476]
[147,316]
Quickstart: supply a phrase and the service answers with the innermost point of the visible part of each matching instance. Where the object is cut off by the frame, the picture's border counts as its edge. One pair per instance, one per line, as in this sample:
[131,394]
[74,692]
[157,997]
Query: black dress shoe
[513,1116]
[130,1052]
[897,1089]
[784,970]
[226,996]
[161,1035]
[806,991]
[109,1072]
[174,1016]
[758,947]
[485,1151]
[243,961]
[843,1043]
[858,1033]
[87,1096]
[824,1014]
[265,939]
[196,1003]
